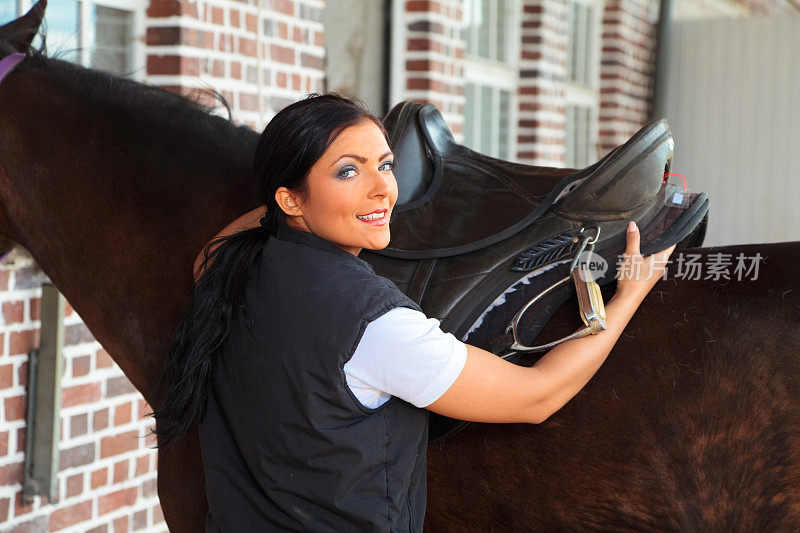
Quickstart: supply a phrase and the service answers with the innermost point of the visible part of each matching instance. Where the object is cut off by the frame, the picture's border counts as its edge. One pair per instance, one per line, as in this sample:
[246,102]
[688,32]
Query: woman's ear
[288,201]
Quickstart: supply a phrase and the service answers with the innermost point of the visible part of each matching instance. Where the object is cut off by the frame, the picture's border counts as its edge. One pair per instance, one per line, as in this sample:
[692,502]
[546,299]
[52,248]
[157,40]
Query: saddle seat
[454,200]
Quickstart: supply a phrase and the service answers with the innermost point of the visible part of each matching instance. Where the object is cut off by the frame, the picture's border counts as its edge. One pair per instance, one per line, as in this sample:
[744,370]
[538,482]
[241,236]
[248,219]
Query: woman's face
[351,180]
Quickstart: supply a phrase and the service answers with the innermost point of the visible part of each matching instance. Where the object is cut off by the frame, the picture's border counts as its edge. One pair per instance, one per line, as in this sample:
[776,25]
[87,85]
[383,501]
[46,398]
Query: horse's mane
[149,103]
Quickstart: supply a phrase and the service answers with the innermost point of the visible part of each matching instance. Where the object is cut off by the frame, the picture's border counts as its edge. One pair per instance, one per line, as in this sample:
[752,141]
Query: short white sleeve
[403,353]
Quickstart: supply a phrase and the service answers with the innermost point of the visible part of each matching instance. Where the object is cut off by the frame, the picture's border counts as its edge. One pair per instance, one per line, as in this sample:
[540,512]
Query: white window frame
[138,66]
[586,95]
[504,75]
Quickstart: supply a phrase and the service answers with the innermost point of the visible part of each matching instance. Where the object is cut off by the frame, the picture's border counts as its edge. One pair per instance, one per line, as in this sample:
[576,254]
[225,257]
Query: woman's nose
[383,183]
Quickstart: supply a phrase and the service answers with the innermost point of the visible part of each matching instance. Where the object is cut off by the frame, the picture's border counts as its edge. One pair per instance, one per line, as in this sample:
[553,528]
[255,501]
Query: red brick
[236,70]
[78,425]
[283,30]
[140,520]
[3,444]
[80,394]
[280,79]
[164,8]
[163,64]
[142,465]
[120,443]
[149,487]
[296,82]
[118,385]
[121,471]
[234,17]
[121,524]
[14,312]
[80,455]
[115,500]
[247,47]
[11,474]
[74,485]
[5,275]
[163,36]
[21,432]
[217,15]
[99,478]
[282,54]
[218,68]
[415,6]
[22,342]
[122,414]
[6,376]
[81,365]
[319,38]
[15,408]
[100,420]
[250,22]
[69,516]
[312,61]
[103,360]
[283,6]
[5,504]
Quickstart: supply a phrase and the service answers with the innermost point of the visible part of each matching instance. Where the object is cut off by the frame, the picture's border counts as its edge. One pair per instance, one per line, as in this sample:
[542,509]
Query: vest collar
[287,233]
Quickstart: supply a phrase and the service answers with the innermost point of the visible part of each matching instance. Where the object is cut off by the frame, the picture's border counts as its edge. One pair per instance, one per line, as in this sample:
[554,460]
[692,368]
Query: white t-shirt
[404,353]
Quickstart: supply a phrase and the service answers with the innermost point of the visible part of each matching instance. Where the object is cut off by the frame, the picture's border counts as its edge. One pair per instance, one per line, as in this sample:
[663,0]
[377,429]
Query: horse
[693,421]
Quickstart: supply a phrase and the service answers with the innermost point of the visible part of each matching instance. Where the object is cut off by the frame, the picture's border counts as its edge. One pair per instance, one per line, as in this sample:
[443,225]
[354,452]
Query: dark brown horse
[693,422]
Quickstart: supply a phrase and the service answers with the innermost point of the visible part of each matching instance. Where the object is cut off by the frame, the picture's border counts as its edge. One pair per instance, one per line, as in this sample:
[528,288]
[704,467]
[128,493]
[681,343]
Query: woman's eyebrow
[359,158]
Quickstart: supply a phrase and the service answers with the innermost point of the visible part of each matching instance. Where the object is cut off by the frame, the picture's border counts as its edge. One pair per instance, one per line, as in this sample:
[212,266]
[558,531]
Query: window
[491,72]
[582,87]
[94,33]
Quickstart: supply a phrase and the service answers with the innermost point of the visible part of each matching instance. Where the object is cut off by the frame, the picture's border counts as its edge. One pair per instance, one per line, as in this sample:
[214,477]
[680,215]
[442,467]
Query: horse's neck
[117,232]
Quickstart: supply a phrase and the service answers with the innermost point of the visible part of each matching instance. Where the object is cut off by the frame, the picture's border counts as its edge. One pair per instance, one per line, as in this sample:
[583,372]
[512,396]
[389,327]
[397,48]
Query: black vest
[286,445]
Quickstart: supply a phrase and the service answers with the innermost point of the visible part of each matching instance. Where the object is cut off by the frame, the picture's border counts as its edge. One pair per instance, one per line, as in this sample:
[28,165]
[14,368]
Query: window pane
[8,11]
[110,37]
[504,124]
[486,121]
[60,25]
[470,116]
[483,29]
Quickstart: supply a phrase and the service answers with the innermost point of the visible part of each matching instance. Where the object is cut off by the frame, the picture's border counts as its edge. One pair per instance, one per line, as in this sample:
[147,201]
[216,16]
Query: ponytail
[217,294]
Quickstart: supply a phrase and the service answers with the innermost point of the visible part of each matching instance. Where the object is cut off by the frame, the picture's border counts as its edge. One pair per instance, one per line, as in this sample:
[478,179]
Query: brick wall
[543,69]
[260,58]
[107,470]
[432,65]
[627,66]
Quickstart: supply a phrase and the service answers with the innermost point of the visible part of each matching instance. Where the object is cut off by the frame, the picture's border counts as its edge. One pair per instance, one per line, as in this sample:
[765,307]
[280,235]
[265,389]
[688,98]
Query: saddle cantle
[468,229]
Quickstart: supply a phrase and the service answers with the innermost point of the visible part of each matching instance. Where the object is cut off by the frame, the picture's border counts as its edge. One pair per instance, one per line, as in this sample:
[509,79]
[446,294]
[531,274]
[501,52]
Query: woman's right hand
[636,274]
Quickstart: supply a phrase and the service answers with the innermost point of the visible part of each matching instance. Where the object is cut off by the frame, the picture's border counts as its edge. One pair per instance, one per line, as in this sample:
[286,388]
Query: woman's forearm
[565,369]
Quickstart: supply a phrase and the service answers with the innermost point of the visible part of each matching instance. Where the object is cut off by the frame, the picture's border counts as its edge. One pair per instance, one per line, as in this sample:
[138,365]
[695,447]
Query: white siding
[733,102]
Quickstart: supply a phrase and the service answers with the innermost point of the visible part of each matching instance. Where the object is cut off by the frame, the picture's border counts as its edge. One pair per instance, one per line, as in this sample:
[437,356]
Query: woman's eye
[345,173]
[383,165]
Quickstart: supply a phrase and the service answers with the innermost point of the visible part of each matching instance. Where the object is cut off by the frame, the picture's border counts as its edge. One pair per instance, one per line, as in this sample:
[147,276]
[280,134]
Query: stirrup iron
[590,301]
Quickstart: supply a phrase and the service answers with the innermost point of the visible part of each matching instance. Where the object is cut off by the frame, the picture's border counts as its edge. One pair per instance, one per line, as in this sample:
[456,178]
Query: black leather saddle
[468,228]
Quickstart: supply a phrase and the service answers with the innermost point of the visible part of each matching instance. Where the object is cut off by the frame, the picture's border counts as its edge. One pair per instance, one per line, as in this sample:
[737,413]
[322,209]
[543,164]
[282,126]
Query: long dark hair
[295,138]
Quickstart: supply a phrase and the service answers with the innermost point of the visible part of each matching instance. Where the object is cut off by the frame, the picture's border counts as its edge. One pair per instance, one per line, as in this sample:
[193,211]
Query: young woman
[311,377]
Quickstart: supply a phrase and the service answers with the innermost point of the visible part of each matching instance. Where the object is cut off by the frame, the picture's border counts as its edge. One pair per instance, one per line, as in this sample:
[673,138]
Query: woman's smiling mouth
[376,218]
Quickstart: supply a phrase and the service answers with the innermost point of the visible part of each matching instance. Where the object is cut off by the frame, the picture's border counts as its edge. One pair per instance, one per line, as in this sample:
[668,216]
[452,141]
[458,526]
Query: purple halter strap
[8,63]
